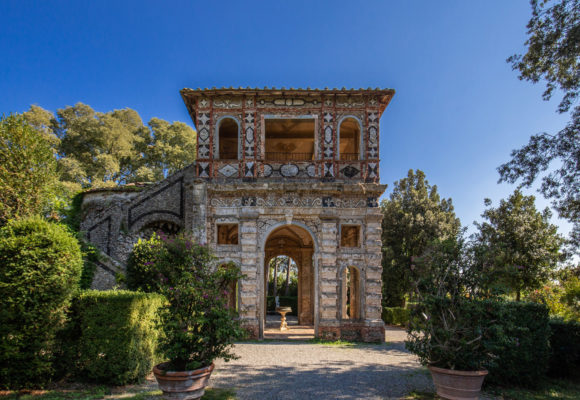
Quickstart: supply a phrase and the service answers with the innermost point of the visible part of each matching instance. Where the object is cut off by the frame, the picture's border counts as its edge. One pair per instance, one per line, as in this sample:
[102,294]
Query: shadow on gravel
[324,380]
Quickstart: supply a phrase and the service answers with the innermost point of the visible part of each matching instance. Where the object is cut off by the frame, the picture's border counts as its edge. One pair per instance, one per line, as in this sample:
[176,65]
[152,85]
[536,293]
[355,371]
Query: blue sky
[459,108]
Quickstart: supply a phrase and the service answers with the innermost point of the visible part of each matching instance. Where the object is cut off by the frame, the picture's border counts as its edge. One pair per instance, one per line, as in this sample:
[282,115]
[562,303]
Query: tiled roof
[283,89]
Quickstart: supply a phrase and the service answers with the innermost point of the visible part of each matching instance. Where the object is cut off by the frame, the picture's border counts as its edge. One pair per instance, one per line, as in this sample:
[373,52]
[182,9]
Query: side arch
[217,153]
[155,217]
[360,151]
[351,292]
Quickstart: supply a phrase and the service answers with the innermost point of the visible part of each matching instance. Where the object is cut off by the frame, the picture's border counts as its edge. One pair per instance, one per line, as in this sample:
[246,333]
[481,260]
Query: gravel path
[301,370]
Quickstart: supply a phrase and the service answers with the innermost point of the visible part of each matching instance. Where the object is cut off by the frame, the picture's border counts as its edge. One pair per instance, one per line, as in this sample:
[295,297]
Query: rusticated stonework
[266,204]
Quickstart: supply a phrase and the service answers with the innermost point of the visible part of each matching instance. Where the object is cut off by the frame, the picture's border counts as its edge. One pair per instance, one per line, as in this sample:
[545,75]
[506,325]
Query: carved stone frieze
[291,201]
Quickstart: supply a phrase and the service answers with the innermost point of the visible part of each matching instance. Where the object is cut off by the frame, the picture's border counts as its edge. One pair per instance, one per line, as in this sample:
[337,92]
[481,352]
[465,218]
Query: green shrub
[40,267]
[512,336]
[449,332]
[519,338]
[198,326]
[114,335]
[564,349]
[396,315]
[141,272]
[27,170]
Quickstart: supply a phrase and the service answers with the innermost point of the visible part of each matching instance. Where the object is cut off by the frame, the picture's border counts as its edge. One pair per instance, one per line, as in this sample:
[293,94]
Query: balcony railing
[349,156]
[278,156]
[282,156]
[228,156]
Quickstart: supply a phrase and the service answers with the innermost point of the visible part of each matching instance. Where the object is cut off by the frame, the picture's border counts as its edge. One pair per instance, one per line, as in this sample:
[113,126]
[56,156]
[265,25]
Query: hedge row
[519,336]
[40,268]
[515,334]
[565,349]
[396,316]
[285,301]
[112,336]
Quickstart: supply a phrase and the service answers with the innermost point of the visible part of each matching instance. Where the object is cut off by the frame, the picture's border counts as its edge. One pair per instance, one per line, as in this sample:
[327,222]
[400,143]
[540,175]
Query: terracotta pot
[457,385]
[182,385]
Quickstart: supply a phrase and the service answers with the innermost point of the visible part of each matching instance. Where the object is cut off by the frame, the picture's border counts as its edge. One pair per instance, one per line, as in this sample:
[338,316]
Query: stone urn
[182,385]
[282,311]
[457,385]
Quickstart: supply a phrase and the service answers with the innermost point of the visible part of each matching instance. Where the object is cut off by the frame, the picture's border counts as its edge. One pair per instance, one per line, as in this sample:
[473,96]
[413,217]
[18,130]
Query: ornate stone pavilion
[290,172]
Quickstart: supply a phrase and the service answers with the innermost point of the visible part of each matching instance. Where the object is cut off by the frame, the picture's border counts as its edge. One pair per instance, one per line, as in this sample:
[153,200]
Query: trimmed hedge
[515,334]
[565,349]
[285,301]
[112,337]
[396,316]
[519,337]
[40,268]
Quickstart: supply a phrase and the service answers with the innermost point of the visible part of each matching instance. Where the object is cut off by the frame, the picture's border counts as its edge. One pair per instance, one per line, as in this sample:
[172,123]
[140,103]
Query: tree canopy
[27,169]
[522,248]
[111,148]
[553,56]
[413,217]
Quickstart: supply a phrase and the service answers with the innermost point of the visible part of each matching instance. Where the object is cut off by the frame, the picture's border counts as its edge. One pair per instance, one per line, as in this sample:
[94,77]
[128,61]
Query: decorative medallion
[349,171]
[289,170]
[204,134]
[267,170]
[228,170]
[311,170]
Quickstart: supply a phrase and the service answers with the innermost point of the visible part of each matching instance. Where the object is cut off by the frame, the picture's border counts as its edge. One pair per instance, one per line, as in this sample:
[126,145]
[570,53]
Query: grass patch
[337,343]
[560,389]
[549,389]
[85,394]
[106,393]
[420,395]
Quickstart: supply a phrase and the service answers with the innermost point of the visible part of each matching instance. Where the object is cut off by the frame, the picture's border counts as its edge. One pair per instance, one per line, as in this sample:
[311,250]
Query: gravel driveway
[302,370]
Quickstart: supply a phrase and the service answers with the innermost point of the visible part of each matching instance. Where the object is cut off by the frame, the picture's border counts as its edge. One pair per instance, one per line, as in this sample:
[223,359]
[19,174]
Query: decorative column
[305,289]
[329,325]
[373,283]
[250,289]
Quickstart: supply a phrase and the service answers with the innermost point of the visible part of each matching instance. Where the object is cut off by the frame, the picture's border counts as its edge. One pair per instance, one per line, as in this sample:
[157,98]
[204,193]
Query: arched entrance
[297,244]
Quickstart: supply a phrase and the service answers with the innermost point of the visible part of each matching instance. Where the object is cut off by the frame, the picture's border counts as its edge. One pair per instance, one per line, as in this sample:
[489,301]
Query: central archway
[297,243]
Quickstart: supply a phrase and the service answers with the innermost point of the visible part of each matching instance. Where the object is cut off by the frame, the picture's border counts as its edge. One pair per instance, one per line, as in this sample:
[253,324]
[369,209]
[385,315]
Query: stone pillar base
[252,328]
[353,331]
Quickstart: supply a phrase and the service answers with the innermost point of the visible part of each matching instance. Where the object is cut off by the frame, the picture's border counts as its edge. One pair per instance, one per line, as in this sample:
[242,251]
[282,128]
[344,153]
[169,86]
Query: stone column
[373,282]
[306,289]
[329,325]
[198,222]
[250,287]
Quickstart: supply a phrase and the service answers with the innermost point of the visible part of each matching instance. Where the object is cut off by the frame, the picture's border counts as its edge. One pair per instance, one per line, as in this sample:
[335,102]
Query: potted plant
[448,329]
[197,326]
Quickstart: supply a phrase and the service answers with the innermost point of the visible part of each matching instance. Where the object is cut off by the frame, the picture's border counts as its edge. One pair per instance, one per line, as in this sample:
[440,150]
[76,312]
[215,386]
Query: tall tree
[553,56]
[523,248]
[165,149]
[42,120]
[27,169]
[97,148]
[413,217]
[105,149]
